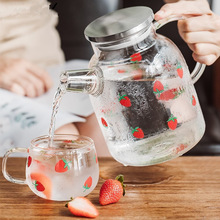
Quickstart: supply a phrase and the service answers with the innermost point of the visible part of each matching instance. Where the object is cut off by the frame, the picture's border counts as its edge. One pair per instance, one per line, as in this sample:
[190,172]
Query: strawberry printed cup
[68,169]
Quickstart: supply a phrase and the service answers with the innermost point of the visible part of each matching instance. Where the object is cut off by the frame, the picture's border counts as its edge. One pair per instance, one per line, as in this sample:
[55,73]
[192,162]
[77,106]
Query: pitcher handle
[4,166]
[199,68]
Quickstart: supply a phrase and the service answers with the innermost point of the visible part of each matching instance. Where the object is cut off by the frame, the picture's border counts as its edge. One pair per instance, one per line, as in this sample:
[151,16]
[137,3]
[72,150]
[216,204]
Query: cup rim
[44,137]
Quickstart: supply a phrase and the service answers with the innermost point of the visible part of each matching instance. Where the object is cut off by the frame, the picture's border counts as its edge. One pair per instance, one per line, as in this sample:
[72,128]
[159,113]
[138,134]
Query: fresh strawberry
[158,87]
[81,206]
[29,161]
[62,166]
[172,122]
[104,123]
[180,71]
[43,180]
[137,132]
[136,57]
[38,186]
[193,100]
[125,101]
[88,183]
[112,190]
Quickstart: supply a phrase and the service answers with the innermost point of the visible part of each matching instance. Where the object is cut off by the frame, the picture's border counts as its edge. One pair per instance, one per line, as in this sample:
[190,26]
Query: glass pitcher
[140,87]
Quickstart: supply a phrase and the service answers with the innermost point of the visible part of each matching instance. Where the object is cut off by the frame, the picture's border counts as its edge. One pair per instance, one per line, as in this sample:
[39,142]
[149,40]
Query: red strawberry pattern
[136,57]
[193,100]
[68,141]
[43,182]
[125,101]
[29,161]
[121,71]
[137,132]
[172,122]
[167,95]
[62,166]
[104,123]
[180,148]
[180,71]
[158,87]
[38,186]
[170,94]
[88,183]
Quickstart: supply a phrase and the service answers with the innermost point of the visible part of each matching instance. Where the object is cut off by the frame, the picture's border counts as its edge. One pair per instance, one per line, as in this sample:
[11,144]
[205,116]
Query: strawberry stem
[179,66]
[120,178]
[71,199]
[66,164]
[121,97]
[134,129]
[35,184]
[158,92]
[172,118]
[86,187]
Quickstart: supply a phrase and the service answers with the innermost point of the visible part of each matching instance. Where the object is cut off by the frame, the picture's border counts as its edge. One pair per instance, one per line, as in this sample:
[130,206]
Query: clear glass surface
[67,169]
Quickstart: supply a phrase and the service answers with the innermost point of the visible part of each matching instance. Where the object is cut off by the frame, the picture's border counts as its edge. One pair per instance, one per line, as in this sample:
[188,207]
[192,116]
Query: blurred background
[75,15]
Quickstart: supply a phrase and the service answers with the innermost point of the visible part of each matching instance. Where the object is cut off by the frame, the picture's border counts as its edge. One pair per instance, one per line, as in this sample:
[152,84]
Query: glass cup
[68,169]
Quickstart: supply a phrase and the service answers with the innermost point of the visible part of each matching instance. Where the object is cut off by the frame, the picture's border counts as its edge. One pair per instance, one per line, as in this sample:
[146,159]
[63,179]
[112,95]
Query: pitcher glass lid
[119,25]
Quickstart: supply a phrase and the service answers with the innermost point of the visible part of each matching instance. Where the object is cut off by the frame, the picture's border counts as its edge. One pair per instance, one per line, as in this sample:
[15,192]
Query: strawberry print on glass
[137,132]
[104,123]
[88,183]
[172,122]
[62,166]
[125,101]
[136,57]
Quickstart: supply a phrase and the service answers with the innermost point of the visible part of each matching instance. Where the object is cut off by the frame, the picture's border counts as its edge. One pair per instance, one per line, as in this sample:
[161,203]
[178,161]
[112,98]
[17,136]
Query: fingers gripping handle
[199,68]
[4,166]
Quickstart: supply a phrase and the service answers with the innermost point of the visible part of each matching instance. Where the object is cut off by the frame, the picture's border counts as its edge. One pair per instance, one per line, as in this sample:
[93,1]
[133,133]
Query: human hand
[200,29]
[22,77]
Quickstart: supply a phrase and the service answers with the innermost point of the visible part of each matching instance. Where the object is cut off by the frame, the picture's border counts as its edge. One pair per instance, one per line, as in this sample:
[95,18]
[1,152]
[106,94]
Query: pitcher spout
[83,81]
